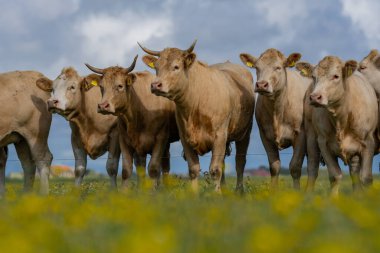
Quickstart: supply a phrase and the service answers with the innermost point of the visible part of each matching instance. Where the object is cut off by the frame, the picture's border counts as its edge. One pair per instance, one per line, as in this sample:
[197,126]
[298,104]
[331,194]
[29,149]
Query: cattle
[344,116]
[147,122]
[279,109]
[92,134]
[370,68]
[214,107]
[25,122]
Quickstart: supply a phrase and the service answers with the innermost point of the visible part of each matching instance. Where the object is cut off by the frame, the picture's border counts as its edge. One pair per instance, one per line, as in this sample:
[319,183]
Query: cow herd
[325,111]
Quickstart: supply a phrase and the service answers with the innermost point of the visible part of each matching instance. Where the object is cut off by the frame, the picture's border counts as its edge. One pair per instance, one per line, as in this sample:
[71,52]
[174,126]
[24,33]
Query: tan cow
[214,106]
[26,123]
[92,134]
[370,68]
[344,117]
[147,122]
[279,109]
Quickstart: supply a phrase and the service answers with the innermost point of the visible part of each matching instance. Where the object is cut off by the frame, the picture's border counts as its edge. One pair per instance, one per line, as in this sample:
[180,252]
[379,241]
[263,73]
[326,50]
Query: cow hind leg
[113,159]
[354,164]
[165,164]
[295,166]
[217,160]
[3,161]
[43,158]
[140,163]
[27,163]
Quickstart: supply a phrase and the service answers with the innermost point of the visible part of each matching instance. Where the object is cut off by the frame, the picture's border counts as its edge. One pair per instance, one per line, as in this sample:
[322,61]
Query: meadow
[171,219]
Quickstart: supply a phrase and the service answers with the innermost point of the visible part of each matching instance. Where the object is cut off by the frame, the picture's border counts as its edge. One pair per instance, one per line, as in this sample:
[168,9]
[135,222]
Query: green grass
[94,219]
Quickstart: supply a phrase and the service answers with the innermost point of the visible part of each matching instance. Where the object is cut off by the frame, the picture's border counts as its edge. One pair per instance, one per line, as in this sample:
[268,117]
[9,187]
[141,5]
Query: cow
[279,109]
[370,68]
[147,122]
[344,115]
[92,134]
[214,107]
[25,123]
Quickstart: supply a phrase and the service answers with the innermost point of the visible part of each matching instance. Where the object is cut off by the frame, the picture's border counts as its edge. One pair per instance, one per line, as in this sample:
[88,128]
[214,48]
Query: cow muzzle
[52,104]
[316,99]
[104,108]
[156,87]
[263,87]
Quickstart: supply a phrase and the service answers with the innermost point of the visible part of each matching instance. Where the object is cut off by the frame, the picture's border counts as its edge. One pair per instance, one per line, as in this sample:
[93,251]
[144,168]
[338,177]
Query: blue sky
[47,35]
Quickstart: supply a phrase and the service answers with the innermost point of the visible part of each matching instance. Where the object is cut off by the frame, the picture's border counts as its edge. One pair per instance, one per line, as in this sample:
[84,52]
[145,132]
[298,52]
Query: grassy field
[94,219]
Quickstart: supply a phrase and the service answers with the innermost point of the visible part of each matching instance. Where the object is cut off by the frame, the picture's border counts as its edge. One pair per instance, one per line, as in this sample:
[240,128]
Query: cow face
[370,68]
[329,79]
[270,69]
[115,85]
[172,67]
[66,90]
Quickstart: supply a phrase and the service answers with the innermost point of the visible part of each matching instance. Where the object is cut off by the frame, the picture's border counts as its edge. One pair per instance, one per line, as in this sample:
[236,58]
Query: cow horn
[130,68]
[148,51]
[191,48]
[93,69]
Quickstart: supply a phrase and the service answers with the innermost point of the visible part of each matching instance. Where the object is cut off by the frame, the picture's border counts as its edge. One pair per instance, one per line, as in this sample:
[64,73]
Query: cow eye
[120,86]
[362,67]
[176,67]
[72,87]
[335,77]
[277,68]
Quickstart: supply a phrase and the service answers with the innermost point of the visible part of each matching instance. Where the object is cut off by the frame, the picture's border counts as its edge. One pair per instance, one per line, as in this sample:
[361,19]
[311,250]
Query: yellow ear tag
[94,83]
[304,72]
[349,72]
[151,64]
[249,64]
[292,64]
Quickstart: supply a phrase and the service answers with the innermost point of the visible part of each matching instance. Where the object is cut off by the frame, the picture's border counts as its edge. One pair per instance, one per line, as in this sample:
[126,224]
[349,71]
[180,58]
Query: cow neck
[188,99]
[279,105]
[80,116]
[132,115]
[339,112]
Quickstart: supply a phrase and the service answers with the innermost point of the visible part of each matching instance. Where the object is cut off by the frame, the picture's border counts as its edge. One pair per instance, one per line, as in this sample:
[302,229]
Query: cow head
[370,68]
[329,79]
[270,69]
[66,90]
[115,85]
[172,66]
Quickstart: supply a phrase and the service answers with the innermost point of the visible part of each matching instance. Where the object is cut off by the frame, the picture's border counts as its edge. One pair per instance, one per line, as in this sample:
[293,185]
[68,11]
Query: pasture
[94,219]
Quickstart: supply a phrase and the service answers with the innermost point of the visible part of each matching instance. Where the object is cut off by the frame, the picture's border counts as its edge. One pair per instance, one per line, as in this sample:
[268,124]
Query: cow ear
[131,78]
[90,81]
[305,69]
[349,68]
[248,60]
[45,84]
[150,61]
[190,59]
[292,60]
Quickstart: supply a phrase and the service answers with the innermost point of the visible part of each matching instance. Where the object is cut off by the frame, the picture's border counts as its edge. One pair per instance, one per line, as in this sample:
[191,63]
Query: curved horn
[130,68]
[93,69]
[148,51]
[191,48]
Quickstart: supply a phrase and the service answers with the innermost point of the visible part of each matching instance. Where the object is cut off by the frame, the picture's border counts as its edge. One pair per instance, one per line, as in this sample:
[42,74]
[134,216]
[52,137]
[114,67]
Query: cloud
[109,39]
[364,16]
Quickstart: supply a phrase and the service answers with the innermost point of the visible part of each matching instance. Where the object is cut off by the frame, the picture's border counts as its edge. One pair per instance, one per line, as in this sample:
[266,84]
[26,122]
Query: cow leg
[335,173]
[273,159]
[223,178]
[240,160]
[154,167]
[27,164]
[140,163]
[113,158]
[366,164]
[42,157]
[313,157]
[295,166]
[80,156]
[193,164]
[217,159]
[127,161]
[354,164]
[3,162]
[165,164]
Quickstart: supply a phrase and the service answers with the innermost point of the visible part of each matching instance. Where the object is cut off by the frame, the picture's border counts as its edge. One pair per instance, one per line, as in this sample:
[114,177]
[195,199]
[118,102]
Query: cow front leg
[354,164]
[113,158]
[165,164]
[240,160]
[366,164]
[154,167]
[140,163]
[80,156]
[3,162]
[127,162]
[313,157]
[193,165]
[273,159]
[217,160]
[295,166]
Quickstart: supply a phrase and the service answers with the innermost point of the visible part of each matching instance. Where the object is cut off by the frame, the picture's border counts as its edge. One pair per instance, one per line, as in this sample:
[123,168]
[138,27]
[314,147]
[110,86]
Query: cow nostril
[107,105]
[319,97]
[266,85]
[159,85]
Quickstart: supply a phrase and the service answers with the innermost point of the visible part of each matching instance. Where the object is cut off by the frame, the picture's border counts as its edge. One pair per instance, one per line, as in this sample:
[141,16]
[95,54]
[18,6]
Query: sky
[47,35]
